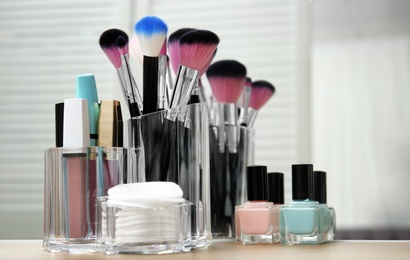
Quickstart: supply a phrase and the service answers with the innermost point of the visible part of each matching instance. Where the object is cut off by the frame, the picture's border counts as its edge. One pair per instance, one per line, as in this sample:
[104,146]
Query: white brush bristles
[135,49]
[151,44]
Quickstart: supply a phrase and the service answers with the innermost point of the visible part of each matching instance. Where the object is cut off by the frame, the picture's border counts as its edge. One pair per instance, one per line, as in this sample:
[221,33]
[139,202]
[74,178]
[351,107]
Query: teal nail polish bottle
[301,220]
[327,225]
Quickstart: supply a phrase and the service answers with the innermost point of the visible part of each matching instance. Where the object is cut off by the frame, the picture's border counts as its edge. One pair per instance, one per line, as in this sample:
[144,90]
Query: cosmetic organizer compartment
[73,179]
[154,227]
[228,177]
[173,146]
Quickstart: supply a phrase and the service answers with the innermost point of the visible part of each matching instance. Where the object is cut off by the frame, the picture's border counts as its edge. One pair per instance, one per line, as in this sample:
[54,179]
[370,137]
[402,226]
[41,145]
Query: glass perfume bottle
[254,218]
[327,225]
[300,219]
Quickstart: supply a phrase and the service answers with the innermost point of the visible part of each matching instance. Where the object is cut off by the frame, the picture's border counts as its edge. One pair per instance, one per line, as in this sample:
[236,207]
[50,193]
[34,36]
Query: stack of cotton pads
[145,212]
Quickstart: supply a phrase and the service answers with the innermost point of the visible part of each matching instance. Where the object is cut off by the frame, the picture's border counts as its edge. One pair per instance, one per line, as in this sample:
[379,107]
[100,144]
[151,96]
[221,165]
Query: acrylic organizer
[73,179]
[228,177]
[172,145]
[143,228]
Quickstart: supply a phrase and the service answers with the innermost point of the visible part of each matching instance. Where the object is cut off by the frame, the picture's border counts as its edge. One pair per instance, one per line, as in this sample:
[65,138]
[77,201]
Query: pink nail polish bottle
[254,218]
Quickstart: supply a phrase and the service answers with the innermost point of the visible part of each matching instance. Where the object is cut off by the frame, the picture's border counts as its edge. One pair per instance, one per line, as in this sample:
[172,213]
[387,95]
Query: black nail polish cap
[302,182]
[274,187]
[320,186]
[256,182]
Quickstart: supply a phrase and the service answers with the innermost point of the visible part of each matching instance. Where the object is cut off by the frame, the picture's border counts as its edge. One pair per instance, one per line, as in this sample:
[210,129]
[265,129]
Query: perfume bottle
[275,194]
[300,220]
[254,218]
[327,225]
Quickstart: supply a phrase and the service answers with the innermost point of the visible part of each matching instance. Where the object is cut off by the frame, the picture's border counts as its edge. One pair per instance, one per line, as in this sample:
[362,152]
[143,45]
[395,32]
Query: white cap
[76,131]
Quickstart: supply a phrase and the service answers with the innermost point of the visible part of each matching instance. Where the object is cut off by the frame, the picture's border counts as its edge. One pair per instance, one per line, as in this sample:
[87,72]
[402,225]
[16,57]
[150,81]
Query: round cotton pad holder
[145,225]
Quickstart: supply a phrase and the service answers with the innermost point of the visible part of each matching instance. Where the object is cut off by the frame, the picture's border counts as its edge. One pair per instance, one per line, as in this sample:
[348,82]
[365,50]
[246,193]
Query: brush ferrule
[231,128]
[243,116]
[252,114]
[220,119]
[129,87]
[184,84]
[162,83]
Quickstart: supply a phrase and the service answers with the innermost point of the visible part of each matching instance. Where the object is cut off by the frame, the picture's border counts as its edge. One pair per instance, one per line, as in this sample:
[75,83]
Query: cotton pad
[146,191]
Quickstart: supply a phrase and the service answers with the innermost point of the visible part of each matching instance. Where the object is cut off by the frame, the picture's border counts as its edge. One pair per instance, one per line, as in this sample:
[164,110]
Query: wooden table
[225,249]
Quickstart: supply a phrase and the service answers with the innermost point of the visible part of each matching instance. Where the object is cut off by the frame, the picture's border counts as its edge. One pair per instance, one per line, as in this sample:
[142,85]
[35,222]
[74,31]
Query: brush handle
[150,84]
[129,89]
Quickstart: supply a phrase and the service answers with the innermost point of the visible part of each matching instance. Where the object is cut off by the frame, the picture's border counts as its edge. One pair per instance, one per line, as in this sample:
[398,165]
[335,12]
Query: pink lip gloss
[76,136]
[255,218]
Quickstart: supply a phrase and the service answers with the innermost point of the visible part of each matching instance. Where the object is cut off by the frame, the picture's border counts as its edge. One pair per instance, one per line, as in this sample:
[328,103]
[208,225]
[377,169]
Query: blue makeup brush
[151,32]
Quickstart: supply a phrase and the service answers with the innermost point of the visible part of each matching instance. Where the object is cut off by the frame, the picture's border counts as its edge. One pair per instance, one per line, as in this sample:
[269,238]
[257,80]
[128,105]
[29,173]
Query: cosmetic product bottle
[86,88]
[300,219]
[275,194]
[107,162]
[76,136]
[254,219]
[327,225]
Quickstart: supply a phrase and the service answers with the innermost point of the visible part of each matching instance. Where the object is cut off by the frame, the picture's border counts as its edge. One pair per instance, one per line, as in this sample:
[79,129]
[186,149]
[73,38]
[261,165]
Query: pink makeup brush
[196,47]
[173,47]
[261,92]
[227,79]
[135,50]
[114,43]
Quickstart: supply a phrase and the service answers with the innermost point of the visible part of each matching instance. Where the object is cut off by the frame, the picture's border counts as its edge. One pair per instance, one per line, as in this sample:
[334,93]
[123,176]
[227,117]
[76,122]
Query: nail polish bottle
[300,219]
[254,219]
[327,225]
[275,194]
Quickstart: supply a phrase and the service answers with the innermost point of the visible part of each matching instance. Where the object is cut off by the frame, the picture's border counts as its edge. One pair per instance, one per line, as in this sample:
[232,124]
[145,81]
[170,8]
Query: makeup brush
[114,43]
[122,45]
[244,100]
[261,92]
[165,79]
[151,32]
[198,93]
[135,50]
[173,47]
[195,49]
[227,79]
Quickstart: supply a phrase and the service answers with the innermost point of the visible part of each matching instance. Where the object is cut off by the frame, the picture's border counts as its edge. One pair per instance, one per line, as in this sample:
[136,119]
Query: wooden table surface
[225,249]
